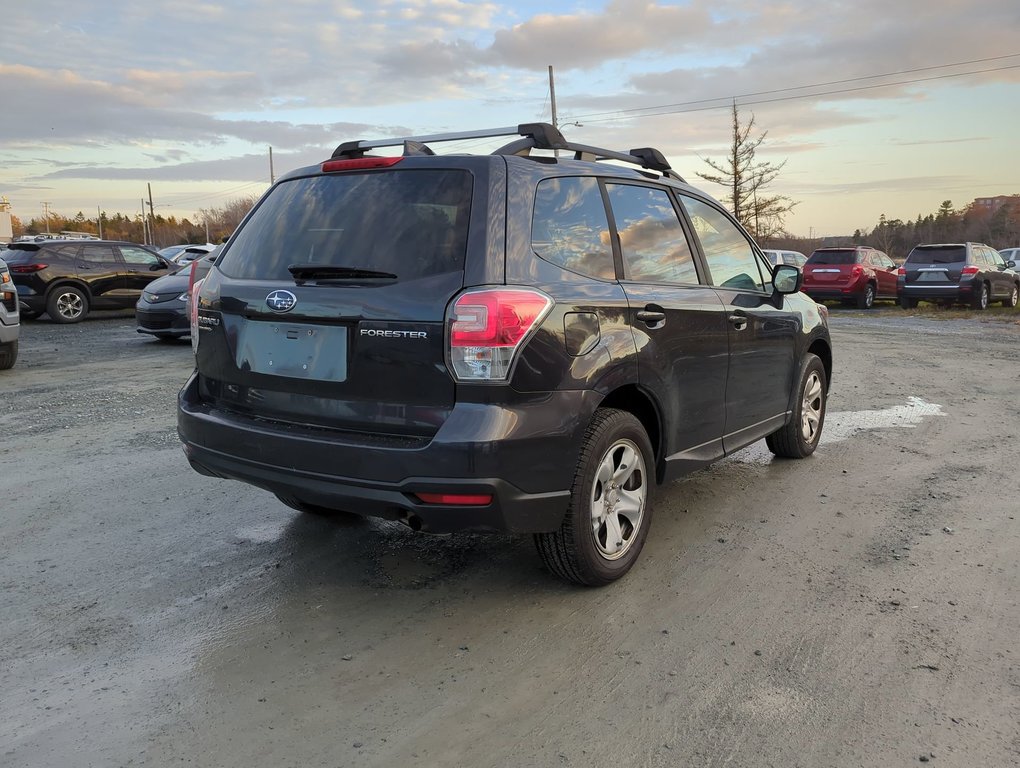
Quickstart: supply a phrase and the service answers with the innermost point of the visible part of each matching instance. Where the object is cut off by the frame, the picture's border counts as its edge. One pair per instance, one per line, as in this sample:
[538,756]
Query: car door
[763,331]
[885,274]
[679,323]
[99,267]
[141,267]
[1000,280]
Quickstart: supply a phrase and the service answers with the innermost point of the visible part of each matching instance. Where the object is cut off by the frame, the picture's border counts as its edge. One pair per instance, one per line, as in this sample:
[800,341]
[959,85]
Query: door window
[139,257]
[570,227]
[727,250]
[98,254]
[652,239]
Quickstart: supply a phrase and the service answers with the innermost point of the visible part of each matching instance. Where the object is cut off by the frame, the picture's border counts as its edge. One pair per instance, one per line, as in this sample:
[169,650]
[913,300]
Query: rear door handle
[650,316]
[739,322]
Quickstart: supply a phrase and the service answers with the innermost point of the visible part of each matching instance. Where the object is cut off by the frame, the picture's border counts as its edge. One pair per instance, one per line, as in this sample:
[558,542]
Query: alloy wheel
[811,407]
[618,498]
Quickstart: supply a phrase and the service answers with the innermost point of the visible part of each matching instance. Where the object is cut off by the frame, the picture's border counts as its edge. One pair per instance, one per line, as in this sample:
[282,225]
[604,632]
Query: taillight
[193,290]
[25,269]
[487,328]
[901,272]
[359,163]
[970,269]
[857,271]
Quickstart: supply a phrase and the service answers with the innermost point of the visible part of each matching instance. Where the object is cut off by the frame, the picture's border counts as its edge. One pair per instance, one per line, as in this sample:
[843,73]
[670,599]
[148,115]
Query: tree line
[208,225]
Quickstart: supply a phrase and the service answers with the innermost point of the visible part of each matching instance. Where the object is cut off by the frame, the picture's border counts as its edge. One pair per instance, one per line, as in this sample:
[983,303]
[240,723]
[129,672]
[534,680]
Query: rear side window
[938,254]
[570,228]
[848,256]
[99,254]
[654,246]
[411,223]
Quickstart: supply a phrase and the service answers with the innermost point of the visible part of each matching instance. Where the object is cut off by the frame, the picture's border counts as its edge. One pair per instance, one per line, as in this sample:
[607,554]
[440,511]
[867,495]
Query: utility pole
[152,216]
[145,225]
[552,104]
[99,220]
[272,176]
[46,214]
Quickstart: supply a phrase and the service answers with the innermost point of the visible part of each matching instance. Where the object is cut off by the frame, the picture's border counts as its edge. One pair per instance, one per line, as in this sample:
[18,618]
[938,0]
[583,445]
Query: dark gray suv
[964,273]
[505,342]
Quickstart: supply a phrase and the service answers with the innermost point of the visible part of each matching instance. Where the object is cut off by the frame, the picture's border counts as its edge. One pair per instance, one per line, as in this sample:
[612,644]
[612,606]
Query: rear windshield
[938,254]
[848,256]
[411,223]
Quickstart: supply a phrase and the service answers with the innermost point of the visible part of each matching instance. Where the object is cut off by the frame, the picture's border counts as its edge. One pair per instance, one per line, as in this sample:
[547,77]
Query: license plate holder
[295,350]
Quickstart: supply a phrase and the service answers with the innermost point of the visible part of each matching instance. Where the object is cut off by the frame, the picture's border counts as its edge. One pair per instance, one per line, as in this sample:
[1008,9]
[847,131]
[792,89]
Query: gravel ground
[859,608]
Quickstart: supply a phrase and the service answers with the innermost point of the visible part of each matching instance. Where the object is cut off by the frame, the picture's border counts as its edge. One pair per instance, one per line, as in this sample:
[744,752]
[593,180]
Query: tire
[8,355]
[610,510]
[980,300]
[867,298]
[799,437]
[1013,298]
[167,338]
[67,304]
[908,303]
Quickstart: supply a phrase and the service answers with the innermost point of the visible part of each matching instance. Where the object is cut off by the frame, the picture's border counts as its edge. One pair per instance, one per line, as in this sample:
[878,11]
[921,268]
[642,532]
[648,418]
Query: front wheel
[800,436]
[8,355]
[67,304]
[1013,298]
[981,297]
[610,512]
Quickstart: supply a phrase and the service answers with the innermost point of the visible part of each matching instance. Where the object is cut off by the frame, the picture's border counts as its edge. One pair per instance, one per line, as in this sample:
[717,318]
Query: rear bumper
[832,293]
[937,293]
[524,457]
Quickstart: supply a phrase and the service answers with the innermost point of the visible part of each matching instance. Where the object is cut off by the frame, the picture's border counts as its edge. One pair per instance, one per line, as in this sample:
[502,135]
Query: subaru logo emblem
[281,301]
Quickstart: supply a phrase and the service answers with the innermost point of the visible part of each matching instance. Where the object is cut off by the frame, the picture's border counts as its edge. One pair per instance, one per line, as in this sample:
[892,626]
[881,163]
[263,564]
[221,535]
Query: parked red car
[854,274]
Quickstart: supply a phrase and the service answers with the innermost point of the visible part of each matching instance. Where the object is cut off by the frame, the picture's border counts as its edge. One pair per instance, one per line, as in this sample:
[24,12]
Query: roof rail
[534,136]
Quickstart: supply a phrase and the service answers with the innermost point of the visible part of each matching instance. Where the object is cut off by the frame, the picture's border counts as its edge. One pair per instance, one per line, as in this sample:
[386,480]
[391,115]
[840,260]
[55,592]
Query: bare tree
[747,179]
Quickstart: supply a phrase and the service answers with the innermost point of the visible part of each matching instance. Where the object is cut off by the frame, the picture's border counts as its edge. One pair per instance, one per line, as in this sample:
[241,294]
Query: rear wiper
[327,272]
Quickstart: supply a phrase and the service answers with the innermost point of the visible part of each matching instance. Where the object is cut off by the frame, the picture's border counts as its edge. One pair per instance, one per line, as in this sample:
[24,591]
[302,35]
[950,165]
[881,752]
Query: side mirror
[1010,264]
[787,279]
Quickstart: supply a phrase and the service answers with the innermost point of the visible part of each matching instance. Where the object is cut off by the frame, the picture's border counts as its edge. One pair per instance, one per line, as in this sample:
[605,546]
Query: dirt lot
[859,608]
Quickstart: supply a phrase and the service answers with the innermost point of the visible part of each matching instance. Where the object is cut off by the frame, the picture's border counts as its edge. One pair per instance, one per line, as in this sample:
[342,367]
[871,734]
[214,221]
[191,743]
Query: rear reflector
[462,499]
[359,164]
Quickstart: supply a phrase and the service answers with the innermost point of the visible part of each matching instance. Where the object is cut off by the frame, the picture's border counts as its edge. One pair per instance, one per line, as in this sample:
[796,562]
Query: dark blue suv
[516,341]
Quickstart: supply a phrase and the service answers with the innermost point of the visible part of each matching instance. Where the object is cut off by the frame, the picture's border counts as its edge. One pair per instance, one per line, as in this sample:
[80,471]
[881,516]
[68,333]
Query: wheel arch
[823,351]
[69,281]
[635,401]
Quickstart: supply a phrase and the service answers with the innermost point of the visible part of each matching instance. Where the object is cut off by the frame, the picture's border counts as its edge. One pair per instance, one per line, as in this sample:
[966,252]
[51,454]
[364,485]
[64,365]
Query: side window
[728,252]
[995,258]
[138,257]
[98,254]
[570,227]
[652,239]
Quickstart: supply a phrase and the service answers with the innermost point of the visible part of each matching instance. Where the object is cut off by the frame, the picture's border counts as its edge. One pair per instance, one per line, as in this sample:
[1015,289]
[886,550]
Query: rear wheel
[1013,298]
[981,297]
[867,298]
[908,303]
[609,514]
[799,437]
[67,304]
[8,354]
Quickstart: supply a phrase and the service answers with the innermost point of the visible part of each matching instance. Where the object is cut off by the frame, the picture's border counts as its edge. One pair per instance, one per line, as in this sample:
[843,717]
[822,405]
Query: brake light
[459,499]
[487,328]
[26,269]
[193,291]
[901,272]
[191,274]
[857,271]
[359,163]
[970,269]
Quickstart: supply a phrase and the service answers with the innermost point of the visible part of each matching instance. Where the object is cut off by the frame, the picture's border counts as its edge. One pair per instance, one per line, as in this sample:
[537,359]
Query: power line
[669,108]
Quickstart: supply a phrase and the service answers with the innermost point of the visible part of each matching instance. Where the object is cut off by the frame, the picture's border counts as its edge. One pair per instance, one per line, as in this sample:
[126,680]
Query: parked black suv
[508,342]
[960,273]
[67,278]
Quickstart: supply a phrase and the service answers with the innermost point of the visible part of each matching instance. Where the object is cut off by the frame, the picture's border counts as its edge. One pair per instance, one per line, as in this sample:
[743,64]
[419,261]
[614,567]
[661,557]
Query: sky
[875,107]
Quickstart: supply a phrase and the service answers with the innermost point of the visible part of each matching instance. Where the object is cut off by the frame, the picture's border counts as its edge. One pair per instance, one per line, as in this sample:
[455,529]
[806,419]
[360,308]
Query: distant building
[992,204]
[6,224]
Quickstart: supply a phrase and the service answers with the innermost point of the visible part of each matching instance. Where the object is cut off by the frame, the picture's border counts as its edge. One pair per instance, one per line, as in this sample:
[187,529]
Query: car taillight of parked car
[193,290]
[27,269]
[488,327]
[901,272]
[970,269]
[857,271]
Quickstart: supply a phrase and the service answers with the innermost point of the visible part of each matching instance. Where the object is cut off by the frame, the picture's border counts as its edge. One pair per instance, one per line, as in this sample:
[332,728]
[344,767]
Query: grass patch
[994,314]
